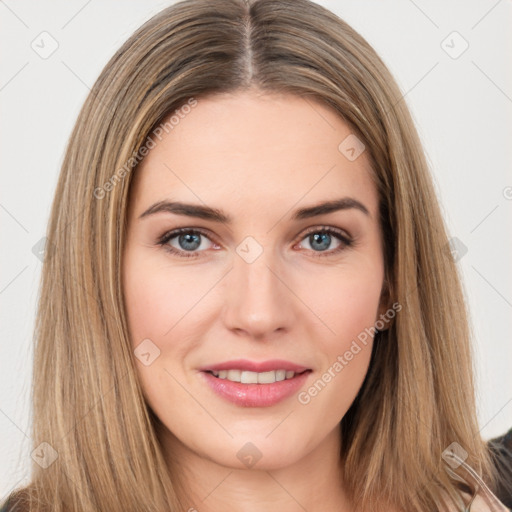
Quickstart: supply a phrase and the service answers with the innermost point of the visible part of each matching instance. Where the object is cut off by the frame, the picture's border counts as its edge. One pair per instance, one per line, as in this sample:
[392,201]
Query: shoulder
[474,492]
[484,501]
[480,501]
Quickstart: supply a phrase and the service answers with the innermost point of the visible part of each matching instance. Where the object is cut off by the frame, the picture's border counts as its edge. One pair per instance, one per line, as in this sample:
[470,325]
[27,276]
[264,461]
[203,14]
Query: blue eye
[190,241]
[321,238]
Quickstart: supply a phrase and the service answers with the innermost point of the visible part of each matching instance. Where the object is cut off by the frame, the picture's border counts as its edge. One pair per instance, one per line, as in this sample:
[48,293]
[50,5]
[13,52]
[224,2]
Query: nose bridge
[258,301]
[259,285]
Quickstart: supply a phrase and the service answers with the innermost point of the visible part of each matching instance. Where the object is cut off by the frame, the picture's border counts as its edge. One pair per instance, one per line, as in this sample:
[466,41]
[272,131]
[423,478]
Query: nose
[259,298]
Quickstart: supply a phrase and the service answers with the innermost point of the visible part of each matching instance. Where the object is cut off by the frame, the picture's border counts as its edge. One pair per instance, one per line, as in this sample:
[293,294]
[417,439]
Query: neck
[312,483]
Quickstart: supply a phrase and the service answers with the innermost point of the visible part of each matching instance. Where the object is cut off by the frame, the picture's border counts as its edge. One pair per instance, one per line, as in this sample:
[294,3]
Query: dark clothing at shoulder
[13,504]
[501,450]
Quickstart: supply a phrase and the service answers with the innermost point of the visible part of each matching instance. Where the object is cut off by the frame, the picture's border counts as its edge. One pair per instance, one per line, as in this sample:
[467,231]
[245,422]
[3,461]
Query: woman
[248,301]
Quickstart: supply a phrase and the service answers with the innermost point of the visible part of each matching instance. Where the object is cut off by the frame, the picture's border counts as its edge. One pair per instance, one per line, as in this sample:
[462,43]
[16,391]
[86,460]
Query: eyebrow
[216,215]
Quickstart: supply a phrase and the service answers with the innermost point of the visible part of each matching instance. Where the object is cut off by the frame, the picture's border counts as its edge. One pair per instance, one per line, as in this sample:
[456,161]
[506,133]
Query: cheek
[348,305]
[347,302]
[156,297]
[155,300]
[147,303]
[164,305]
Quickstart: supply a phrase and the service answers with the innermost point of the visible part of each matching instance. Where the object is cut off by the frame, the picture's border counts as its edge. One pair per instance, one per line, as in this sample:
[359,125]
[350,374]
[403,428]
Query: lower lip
[255,395]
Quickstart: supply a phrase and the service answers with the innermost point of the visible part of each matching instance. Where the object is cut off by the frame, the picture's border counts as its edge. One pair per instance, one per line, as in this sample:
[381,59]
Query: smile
[255,389]
[247,377]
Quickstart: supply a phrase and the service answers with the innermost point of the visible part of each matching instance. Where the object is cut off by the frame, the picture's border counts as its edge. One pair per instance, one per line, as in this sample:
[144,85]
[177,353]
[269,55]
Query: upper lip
[255,366]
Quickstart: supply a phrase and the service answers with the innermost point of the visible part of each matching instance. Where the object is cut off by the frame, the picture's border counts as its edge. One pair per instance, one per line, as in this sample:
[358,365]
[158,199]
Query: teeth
[234,375]
[266,377]
[281,375]
[249,377]
[246,377]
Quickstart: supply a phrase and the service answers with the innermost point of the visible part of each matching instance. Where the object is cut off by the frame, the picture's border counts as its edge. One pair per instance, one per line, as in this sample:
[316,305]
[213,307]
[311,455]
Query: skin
[258,157]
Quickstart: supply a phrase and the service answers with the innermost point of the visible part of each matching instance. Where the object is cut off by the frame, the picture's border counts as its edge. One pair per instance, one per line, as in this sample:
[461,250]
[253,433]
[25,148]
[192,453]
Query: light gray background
[462,106]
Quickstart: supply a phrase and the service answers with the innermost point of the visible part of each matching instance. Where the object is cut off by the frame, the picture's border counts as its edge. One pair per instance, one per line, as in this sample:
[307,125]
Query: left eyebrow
[345,203]
[216,215]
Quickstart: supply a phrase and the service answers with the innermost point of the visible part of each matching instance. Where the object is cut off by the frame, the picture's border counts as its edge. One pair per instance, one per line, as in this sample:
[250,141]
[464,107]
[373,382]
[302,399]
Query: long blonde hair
[418,396]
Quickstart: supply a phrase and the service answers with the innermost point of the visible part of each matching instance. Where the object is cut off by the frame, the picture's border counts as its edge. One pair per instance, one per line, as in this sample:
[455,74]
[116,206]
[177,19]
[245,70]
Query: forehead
[253,149]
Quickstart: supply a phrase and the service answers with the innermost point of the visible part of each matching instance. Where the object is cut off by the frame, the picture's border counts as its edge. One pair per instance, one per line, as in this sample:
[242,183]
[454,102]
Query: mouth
[255,389]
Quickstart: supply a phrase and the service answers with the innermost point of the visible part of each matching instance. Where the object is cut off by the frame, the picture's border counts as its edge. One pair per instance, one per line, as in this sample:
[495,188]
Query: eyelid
[178,231]
[331,229]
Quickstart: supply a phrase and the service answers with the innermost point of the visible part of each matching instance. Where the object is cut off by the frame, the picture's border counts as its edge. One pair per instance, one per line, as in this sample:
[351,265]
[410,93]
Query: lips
[255,388]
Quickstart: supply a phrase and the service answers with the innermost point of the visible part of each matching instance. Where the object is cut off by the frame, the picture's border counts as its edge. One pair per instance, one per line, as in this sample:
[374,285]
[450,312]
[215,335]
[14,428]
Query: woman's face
[258,274]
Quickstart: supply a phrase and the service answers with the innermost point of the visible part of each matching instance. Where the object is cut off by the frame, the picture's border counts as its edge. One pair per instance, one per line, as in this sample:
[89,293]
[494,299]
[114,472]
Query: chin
[264,455]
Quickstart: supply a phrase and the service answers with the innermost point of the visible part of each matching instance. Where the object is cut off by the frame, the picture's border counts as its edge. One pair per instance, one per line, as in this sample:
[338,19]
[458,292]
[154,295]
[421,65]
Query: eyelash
[166,237]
